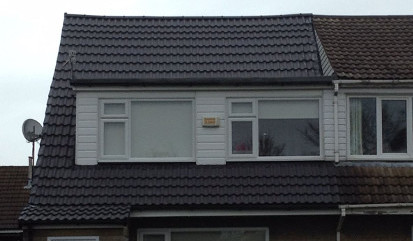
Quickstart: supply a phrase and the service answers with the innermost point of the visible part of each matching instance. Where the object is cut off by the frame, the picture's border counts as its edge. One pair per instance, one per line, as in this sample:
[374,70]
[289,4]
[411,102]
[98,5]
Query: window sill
[155,159]
[401,157]
[275,159]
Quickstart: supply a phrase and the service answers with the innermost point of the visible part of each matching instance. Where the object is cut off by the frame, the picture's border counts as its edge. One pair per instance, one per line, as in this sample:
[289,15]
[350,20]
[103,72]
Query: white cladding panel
[210,104]
[210,142]
[86,129]
[328,124]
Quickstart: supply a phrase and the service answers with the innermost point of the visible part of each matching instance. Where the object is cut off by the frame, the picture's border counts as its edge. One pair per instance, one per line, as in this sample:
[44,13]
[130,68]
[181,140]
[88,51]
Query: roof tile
[13,196]
[375,47]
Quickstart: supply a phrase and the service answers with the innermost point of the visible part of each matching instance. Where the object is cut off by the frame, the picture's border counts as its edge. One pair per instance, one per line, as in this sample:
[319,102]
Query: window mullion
[255,137]
[379,127]
[409,125]
[129,129]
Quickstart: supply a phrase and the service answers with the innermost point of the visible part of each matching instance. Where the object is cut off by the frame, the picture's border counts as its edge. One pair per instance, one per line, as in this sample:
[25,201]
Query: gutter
[379,209]
[398,81]
[371,209]
[196,81]
[11,231]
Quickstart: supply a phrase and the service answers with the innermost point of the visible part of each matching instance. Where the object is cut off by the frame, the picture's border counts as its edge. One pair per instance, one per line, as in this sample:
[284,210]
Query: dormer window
[378,126]
[274,128]
[147,130]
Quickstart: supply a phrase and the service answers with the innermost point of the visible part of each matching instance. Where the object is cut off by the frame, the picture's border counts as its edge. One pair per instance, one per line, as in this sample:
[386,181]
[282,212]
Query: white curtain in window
[161,129]
[356,125]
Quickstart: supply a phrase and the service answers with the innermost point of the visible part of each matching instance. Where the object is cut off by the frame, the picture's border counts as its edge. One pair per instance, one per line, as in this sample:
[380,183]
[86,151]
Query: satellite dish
[31,130]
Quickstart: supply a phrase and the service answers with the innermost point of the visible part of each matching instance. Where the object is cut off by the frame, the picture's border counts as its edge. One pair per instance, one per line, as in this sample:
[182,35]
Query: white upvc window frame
[101,141]
[240,100]
[167,231]
[70,238]
[126,119]
[254,133]
[255,156]
[379,128]
[115,101]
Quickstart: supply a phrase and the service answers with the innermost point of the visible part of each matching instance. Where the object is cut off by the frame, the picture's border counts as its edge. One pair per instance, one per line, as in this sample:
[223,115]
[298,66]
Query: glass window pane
[114,109]
[241,107]
[394,134]
[363,137]
[161,129]
[153,237]
[230,235]
[114,138]
[288,128]
[242,137]
[288,109]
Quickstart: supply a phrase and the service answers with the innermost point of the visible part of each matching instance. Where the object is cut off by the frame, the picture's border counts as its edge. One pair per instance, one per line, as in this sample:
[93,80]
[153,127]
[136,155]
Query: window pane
[394,126]
[114,138]
[161,128]
[288,109]
[241,107]
[363,137]
[288,128]
[153,237]
[231,235]
[241,137]
[114,109]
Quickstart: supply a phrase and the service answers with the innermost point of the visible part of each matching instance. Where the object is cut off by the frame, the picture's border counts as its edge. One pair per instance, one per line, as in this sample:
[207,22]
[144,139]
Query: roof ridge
[189,17]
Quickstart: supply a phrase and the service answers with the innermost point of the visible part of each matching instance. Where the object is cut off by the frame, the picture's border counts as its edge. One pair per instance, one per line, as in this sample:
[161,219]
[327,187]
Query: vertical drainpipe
[340,224]
[335,103]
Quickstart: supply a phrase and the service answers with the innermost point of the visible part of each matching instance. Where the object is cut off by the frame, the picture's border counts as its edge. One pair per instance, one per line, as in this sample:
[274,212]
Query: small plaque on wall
[210,122]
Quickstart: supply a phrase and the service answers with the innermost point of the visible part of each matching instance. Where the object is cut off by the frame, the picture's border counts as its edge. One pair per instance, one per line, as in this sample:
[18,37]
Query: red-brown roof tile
[368,47]
[13,196]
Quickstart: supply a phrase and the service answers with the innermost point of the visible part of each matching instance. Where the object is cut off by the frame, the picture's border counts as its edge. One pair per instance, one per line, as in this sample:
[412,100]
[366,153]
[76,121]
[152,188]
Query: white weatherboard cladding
[328,124]
[210,104]
[210,142]
[86,129]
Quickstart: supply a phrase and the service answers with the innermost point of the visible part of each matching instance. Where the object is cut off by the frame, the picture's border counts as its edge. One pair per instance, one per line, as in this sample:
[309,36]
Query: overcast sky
[30,35]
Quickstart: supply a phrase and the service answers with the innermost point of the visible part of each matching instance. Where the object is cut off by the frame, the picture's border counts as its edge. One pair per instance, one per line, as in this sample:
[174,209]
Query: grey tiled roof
[78,192]
[75,213]
[188,47]
[106,193]
[162,48]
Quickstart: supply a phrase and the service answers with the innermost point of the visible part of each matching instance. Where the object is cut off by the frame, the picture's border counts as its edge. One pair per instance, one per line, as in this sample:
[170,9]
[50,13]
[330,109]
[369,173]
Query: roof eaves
[319,80]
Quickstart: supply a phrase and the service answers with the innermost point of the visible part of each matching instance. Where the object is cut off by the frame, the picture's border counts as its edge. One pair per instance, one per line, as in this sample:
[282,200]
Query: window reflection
[394,126]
